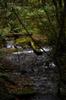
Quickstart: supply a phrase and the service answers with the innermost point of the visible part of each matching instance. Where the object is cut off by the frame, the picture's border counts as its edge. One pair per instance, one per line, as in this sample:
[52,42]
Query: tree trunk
[60,48]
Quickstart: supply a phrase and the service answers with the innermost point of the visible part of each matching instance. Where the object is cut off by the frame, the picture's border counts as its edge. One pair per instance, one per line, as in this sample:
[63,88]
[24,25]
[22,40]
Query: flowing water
[40,71]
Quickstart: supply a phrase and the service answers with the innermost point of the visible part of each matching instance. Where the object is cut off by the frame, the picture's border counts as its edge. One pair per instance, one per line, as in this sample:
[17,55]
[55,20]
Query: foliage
[43,17]
[34,19]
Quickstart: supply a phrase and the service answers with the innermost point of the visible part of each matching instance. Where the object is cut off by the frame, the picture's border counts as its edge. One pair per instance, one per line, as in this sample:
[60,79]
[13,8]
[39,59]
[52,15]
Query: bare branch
[55,2]
[50,21]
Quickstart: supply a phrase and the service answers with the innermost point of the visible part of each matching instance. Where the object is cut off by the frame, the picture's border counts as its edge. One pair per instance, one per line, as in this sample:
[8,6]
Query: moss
[27,90]
[22,91]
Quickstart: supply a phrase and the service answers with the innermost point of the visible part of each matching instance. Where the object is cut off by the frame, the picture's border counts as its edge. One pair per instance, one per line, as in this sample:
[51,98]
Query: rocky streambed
[32,74]
[37,72]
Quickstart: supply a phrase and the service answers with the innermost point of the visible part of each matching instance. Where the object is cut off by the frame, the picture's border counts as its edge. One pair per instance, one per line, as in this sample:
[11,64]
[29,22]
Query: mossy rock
[23,91]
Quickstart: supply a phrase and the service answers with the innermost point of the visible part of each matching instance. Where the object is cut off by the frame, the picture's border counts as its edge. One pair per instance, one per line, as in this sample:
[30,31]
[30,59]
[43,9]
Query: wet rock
[38,72]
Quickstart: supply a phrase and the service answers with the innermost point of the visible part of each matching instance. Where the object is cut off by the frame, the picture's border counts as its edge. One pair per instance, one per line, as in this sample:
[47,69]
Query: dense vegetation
[41,22]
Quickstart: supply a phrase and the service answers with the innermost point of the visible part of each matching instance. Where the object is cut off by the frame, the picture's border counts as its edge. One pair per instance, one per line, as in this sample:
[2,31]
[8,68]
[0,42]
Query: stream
[39,97]
[41,72]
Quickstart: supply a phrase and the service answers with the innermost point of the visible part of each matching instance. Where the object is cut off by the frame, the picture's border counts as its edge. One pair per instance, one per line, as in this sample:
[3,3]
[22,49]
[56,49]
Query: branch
[35,50]
[55,2]
[53,30]
[20,20]
[60,3]
[50,21]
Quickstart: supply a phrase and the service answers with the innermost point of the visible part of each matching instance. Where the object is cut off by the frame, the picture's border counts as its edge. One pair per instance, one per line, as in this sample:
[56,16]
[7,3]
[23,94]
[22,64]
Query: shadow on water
[38,97]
